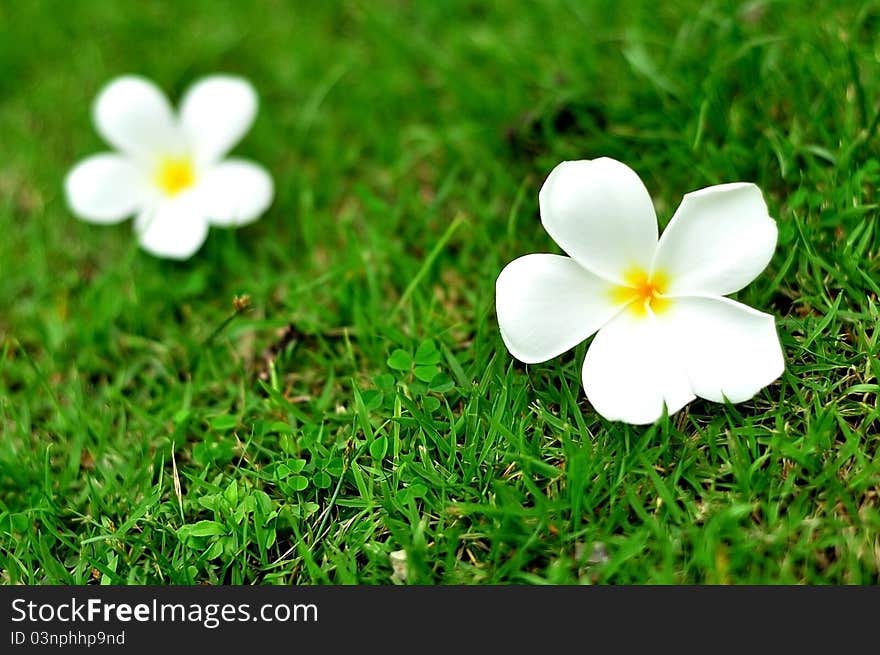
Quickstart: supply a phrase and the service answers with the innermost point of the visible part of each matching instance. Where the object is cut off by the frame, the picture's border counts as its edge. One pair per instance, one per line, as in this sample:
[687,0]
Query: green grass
[408,143]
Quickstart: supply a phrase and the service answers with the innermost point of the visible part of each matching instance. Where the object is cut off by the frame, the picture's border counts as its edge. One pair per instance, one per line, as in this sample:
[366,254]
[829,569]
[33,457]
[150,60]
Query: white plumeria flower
[169,170]
[665,334]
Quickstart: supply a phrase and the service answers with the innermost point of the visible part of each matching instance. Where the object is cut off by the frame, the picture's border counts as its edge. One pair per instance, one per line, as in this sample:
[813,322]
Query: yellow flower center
[175,174]
[642,291]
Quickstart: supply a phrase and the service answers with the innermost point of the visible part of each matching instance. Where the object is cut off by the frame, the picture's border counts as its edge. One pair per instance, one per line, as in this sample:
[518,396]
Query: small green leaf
[206,529]
[248,504]
[231,493]
[298,482]
[287,444]
[384,382]
[296,465]
[279,427]
[263,502]
[215,551]
[431,404]
[400,360]
[211,501]
[19,523]
[334,466]
[427,354]
[372,399]
[322,480]
[181,416]
[224,423]
[426,373]
[442,384]
[379,447]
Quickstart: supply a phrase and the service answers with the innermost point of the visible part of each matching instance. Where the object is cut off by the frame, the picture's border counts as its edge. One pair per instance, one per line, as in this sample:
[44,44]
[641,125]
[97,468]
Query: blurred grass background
[366,404]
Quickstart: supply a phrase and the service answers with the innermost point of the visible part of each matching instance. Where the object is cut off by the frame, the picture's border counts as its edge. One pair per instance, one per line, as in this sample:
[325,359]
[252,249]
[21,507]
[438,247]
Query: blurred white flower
[169,171]
[665,334]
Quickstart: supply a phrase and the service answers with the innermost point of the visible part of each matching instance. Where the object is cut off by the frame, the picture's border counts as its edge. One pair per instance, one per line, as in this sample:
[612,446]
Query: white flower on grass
[665,334]
[169,171]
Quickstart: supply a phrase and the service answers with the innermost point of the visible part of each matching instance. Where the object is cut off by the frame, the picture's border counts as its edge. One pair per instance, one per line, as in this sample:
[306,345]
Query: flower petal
[133,114]
[215,114]
[728,349]
[236,192]
[173,228]
[629,374]
[105,188]
[547,304]
[718,241]
[600,213]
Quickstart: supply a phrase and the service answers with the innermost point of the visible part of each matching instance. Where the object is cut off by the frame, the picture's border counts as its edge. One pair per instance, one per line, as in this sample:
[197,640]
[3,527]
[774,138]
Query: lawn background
[365,403]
